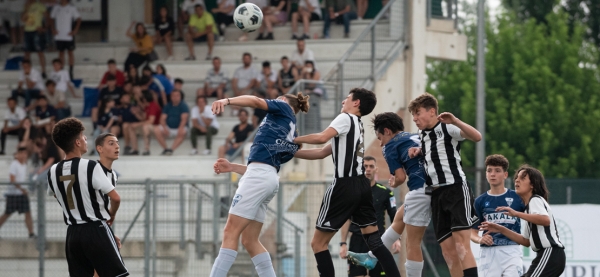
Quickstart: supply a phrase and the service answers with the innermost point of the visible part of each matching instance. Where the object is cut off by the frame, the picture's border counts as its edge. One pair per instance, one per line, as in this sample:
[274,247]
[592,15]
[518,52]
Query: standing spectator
[204,122]
[238,135]
[63,16]
[215,82]
[266,82]
[165,28]
[301,55]
[223,15]
[342,11]
[173,123]
[13,119]
[152,112]
[244,78]
[31,84]
[112,70]
[187,9]
[273,14]
[202,27]
[61,78]
[287,76]
[57,99]
[45,115]
[139,54]
[14,16]
[308,11]
[35,38]
[17,199]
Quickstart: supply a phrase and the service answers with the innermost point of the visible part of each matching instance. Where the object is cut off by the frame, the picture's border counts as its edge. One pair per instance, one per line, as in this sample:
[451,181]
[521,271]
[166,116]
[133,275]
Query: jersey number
[71,178]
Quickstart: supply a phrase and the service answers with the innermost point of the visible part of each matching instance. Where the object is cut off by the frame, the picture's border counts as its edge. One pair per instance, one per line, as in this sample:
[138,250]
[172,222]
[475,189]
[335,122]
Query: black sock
[470,272]
[387,261]
[71,72]
[325,264]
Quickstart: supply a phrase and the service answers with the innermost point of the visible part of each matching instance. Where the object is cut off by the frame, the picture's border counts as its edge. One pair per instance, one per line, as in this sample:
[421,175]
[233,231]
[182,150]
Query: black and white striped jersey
[348,147]
[112,176]
[80,186]
[441,149]
[539,236]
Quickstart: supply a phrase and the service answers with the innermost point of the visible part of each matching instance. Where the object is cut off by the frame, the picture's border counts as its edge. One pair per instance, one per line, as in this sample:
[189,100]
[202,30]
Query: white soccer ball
[248,17]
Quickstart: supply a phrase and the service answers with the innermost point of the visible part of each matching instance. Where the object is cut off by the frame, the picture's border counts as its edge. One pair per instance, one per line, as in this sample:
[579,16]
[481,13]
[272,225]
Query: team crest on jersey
[509,201]
[439,134]
[487,203]
[236,199]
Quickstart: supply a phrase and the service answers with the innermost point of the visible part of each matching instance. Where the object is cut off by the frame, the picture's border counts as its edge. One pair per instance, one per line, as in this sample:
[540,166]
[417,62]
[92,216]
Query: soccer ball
[248,17]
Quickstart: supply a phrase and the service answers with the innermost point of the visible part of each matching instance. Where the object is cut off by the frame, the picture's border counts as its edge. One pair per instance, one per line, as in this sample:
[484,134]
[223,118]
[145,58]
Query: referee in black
[383,201]
[80,186]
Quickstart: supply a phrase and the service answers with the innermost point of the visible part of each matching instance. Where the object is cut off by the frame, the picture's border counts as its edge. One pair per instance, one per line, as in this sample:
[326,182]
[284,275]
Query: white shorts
[500,261]
[172,132]
[417,208]
[256,188]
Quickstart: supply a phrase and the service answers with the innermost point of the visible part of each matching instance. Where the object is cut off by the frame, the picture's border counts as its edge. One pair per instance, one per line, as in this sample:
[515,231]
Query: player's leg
[442,226]
[510,261]
[228,252]
[77,241]
[459,203]
[103,251]
[320,247]
[549,262]
[417,218]
[414,255]
[357,245]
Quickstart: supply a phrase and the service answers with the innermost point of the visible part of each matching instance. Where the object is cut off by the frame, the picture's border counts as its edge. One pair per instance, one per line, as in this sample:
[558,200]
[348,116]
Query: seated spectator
[272,14]
[31,84]
[266,82]
[223,15]
[215,82]
[112,70]
[238,135]
[312,120]
[16,194]
[204,122]
[111,91]
[287,76]
[163,78]
[140,53]
[301,55]
[61,78]
[308,11]
[342,11]
[152,114]
[187,10]
[173,123]
[57,99]
[137,96]
[178,85]
[45,115]
[244,78]
[202,27]
[133,76]
[131,117]
[164,26]
[13,120]
[48,154]
[155,85]
[161,70]
[35,37]
[106,120]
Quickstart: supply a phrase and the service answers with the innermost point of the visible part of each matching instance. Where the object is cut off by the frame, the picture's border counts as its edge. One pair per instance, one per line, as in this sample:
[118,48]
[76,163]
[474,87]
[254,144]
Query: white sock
[389,237]
[223,262]
[263,265]
[413,269]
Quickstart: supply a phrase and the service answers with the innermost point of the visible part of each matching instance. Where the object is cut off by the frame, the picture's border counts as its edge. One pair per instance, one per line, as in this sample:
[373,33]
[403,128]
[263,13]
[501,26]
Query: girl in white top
[62,78]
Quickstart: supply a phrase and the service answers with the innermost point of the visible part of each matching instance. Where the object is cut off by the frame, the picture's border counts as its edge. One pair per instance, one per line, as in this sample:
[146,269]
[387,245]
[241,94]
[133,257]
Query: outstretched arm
[224,166]
[318,138]
[510,234]
[466,131]
[314,154]
[242,101]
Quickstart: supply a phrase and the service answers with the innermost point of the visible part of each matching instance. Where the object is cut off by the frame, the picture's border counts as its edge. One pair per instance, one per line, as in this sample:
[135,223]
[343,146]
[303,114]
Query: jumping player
[349,196]
[451,198]
[499,256]
[538,227]
[272,147]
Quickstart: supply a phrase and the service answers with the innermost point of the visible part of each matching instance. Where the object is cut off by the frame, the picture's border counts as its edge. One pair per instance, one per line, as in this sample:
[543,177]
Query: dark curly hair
[497,160]
[367,98]
[387,120]
[65,132]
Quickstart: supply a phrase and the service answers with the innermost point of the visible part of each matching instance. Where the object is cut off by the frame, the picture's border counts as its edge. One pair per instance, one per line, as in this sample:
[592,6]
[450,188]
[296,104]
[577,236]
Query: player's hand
[414,151]
[396,247]
[111,220]
[447,118]
[507,211]
[487,240]
[490,227]
[344,251]
[222,166]
[392,181]
[219,106]
[118,240]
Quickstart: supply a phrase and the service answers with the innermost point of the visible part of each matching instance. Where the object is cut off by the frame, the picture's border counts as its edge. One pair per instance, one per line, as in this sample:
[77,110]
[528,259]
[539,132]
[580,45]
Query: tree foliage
[542,95]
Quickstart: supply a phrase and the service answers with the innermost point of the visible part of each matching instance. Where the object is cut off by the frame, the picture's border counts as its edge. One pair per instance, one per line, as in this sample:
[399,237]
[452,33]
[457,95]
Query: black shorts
[314,17]
[452,210]
[548,262]
[35,42]
[92,246]
[65,45]
[347,198]
[358,245]
[17,203]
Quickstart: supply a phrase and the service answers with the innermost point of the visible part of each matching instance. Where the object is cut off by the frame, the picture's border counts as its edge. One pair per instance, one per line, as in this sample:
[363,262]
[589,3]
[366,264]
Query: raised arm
[314,154]
[242,101]
[466,131]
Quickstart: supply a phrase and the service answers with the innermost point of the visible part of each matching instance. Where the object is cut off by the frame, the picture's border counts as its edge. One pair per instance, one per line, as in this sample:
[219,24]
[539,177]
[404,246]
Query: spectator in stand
[266,82]
[106,120]
[187,10]
[161,76]
[48,154]
[13,122]
[17,199]
[140,53]
[31,84]
[237,136]
[128,89]
[223,15]
[112,70]
[62,16]
[57,99]
[152,113]
[132,117]
[342,11]
[287,76]
[202,27]
[153,83]
[162,70]
[165,28]
[273,14]
[244,78]
[178,85]
[308,11]
[215,83]
[45,115]
[173,123]
[14,17]
[133,76]
[312,120]
[259,115]
[35,37]
[301,55]
[111,91]
[204,122]
[61,78]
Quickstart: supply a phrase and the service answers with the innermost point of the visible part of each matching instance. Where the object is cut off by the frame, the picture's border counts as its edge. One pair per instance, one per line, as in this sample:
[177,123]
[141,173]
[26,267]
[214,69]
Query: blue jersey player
[499,256]
[273,146]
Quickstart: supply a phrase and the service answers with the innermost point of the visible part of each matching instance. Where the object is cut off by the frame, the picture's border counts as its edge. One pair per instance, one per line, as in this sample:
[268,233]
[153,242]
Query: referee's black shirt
[383,200]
